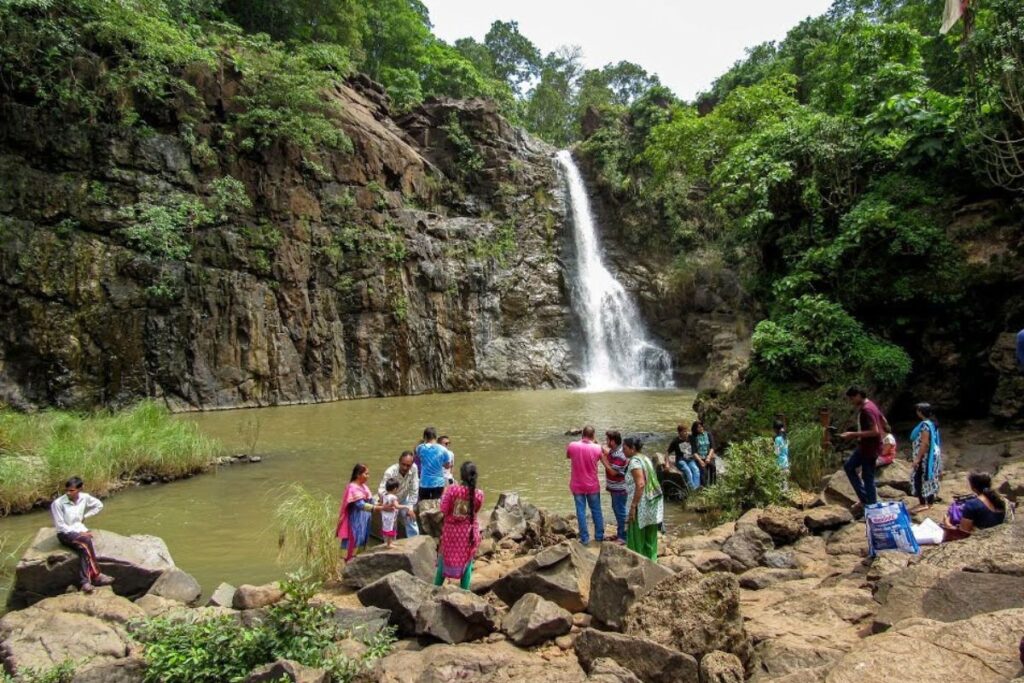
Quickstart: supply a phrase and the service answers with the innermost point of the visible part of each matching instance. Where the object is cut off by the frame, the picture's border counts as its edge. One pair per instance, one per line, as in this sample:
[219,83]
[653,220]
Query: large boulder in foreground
[455,616]
[648,661]
[620,577]
[692,614]
[73,626]
[534,620]
[560,574]
[944,594]
[416,555]
[47,568]
[401,594]
[477,662]
[179,586]
[982,649]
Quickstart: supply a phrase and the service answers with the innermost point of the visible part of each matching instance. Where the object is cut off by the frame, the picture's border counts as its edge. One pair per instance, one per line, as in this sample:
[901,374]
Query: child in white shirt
[389,516]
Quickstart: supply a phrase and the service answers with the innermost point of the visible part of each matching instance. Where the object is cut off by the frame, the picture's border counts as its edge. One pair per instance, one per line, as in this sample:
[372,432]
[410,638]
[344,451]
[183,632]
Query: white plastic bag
[928,532]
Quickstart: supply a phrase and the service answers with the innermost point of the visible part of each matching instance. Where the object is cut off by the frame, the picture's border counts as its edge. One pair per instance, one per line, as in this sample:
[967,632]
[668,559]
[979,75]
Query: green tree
[551,108]
[514,58]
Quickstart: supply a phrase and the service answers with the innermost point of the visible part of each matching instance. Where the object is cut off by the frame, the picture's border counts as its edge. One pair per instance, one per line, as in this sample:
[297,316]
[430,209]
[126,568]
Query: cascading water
[617,352]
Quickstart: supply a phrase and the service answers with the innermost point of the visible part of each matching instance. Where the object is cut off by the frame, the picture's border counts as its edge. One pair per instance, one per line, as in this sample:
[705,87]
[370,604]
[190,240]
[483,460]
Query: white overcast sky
[688,43]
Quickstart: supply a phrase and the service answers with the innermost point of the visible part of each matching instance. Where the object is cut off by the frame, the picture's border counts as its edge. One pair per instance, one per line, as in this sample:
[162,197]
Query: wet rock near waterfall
[647,660]
[416,556]
[175,584]
[533,620]
[48,568]
[560,574]
[620,577]
[74,626]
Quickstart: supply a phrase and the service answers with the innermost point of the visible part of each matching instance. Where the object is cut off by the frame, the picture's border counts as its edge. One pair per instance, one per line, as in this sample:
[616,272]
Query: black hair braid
[468,475]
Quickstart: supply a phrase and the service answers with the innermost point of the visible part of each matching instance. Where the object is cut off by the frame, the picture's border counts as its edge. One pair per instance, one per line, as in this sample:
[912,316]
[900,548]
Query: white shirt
[408,486]
[68,516]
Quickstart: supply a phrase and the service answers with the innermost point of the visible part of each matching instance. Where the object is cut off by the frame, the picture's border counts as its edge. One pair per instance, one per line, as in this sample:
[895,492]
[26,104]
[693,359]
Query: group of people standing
[630,479]
[424,473]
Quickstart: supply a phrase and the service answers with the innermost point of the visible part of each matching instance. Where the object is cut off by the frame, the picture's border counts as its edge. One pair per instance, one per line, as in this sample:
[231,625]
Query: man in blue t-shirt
[431,460]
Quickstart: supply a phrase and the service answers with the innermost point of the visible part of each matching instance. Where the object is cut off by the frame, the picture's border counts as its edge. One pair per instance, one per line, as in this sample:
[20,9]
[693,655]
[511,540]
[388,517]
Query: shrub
[752,479]
[164,230]
[223,650]
[808,461]
[61,673]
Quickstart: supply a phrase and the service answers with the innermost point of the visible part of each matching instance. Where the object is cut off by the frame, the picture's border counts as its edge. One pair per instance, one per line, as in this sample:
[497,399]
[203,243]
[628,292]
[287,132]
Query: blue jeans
[865,489]
[411,527]
[593,500]
[691,471]
[619,504]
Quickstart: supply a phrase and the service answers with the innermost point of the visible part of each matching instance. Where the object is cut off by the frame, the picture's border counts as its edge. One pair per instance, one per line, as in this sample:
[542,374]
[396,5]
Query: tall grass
[38,452]
[808,461]
[306,522]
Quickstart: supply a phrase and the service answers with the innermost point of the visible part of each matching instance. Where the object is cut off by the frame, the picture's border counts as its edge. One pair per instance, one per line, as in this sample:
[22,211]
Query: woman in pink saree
[356,508]
[460,534]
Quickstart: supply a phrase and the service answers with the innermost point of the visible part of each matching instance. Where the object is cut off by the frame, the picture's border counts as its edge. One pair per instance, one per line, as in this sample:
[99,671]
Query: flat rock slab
[499,662]
[47,568]
[416,555]
[982,649]
[647,660]
[944,595]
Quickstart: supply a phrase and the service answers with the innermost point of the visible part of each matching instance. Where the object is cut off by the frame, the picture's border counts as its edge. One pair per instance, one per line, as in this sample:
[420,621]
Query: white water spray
[617,352]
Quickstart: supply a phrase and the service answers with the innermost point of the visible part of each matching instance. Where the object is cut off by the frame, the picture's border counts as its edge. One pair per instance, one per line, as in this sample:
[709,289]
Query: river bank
[782,595]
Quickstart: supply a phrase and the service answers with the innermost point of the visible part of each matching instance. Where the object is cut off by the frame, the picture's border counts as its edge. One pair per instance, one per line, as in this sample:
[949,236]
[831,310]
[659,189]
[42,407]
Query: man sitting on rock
[68,512]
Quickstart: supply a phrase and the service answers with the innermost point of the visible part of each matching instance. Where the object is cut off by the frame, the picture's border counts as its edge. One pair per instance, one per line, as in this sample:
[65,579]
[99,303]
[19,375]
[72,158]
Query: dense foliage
[827,169]
[222,649]
[752,480]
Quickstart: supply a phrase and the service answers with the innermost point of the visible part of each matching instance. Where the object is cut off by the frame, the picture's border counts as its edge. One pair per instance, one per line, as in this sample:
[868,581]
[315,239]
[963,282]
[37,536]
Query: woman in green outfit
[646,505]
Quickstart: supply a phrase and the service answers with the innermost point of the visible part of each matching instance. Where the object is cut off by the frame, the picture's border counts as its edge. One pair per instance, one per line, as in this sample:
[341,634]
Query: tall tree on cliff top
[515,59]
[551,108]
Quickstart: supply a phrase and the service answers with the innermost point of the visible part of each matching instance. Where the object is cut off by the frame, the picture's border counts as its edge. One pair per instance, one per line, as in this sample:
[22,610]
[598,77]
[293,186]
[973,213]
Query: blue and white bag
[888,526]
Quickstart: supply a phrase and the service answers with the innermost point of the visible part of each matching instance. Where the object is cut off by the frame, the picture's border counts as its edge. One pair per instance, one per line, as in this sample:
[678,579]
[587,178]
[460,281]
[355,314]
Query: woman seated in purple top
[983,510]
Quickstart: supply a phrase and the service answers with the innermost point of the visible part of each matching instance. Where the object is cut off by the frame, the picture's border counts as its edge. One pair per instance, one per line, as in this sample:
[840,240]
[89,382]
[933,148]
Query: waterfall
[617,351]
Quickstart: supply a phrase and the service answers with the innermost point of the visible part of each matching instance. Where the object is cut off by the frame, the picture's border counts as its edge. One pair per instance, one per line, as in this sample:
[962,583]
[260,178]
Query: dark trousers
[709,474]
[82,545]
[919,485]
[433,493]
[864,484]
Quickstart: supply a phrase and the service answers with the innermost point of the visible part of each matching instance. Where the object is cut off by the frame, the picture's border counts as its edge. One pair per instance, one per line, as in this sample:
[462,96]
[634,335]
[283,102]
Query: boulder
[223,596]
[508,519]
[838,491]
[982,649]
[127,670]
[897,475]
[174,584]
[677,564]
[416,555]
[401,594]
[647,660]
[944,595]
[254,597]
[456,616]
[534,620]
[361,621]
[779,559]
[999,550]
[287,670]
[749,518]
[692,614]
[155,606]
[721,667]
[620,577]
[747,546]
[497,662]
[73,626]
[47,568]
[560,574]
[759,578]
[707,561]
[851,539]
[784,525]
[1009,480]
[827,517]
[886,563]
[429,517]
[605,670]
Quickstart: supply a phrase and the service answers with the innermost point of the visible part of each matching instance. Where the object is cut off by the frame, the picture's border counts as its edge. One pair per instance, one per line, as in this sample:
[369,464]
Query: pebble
[582,619]
[565,642]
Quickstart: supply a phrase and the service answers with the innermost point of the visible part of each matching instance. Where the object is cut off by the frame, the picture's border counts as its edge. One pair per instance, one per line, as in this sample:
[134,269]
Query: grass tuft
[306,522]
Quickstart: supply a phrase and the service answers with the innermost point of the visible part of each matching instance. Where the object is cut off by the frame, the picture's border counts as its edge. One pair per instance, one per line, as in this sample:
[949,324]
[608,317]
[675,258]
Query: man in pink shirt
[583,457]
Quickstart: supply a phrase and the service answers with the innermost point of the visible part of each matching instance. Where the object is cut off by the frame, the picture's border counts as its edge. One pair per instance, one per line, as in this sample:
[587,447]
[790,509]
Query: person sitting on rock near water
[68,513]
[583,456]
[703,444]
[460,533]
[870,431]
[646,503]
[983,510]
[681,452]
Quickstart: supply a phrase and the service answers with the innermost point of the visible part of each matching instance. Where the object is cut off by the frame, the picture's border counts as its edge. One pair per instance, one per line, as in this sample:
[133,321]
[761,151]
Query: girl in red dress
[460,534]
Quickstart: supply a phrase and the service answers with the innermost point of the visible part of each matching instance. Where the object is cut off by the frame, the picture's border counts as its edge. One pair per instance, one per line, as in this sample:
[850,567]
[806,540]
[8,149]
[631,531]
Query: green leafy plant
[61,673]
[165,230]
[752,479]
[227,195]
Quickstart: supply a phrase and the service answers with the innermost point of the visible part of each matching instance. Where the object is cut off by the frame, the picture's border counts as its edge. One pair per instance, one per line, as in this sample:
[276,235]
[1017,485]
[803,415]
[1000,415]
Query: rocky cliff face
[424,259]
